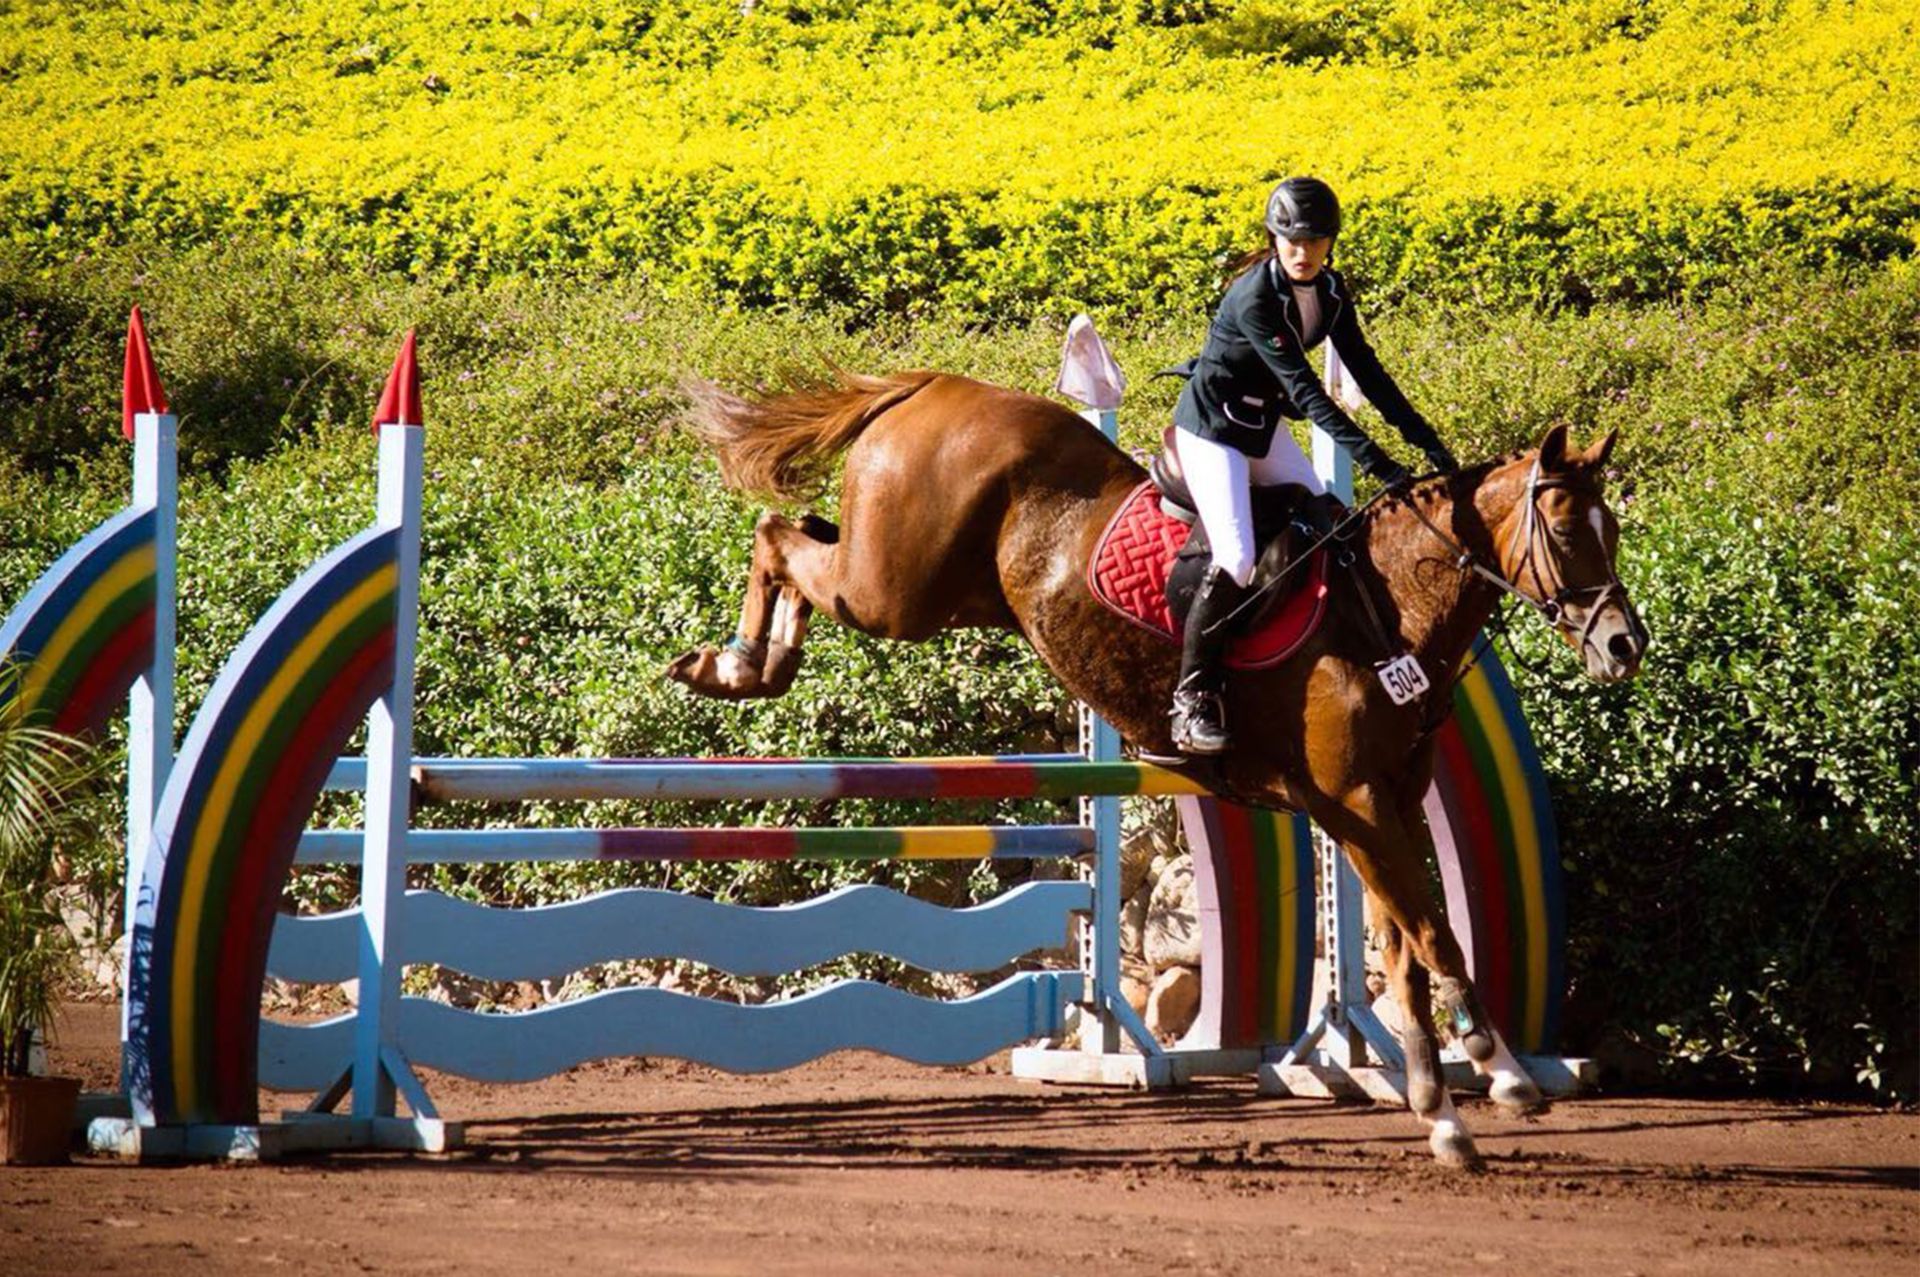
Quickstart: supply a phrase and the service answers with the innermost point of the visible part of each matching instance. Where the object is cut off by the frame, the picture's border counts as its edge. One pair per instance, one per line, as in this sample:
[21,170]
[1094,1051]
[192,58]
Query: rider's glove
[1395,477]
[1440,459]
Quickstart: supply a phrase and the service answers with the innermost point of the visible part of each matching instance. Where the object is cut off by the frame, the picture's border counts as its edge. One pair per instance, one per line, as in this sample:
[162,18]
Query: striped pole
[1045,776]
[514,846]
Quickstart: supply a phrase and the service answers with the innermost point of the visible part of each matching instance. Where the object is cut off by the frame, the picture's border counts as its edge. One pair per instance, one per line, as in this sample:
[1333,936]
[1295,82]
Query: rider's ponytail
[1238,266]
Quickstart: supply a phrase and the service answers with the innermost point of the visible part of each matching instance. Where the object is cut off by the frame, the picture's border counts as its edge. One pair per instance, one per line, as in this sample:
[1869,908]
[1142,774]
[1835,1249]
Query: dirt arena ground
[864,1165]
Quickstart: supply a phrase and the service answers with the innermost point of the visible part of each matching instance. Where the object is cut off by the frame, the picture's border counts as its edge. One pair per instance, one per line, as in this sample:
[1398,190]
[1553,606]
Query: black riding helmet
[1303,208]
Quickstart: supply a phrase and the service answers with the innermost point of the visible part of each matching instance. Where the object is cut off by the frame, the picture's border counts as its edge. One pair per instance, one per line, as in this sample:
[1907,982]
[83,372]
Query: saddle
[1154,551]
[1282,527]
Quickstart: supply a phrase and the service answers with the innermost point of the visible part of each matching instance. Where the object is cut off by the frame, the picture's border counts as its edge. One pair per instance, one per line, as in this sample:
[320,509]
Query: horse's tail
[783,445]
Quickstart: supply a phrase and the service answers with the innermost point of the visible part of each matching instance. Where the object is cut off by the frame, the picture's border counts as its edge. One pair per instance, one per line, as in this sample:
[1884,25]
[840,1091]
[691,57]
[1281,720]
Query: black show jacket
[1253,372]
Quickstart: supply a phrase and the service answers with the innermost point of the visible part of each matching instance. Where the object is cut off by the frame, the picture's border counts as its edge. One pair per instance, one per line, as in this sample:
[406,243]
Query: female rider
[1251,374]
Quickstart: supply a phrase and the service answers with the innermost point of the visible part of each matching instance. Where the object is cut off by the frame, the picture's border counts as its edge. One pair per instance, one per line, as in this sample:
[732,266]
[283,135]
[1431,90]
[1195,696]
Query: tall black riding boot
[1199,702]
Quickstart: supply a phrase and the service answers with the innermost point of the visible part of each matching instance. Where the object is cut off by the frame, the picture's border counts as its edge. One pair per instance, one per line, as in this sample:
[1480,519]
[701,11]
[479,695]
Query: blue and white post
[156,487]
[1345,1028]
[1115,1044]
[381,1070]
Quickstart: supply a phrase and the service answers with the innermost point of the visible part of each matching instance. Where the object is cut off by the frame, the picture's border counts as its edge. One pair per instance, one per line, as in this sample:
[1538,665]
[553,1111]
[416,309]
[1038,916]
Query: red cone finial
[142,391]
[400,401]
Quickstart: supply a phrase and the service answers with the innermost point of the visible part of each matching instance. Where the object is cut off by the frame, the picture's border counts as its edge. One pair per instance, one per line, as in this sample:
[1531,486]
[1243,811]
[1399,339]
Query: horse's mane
[1429,490]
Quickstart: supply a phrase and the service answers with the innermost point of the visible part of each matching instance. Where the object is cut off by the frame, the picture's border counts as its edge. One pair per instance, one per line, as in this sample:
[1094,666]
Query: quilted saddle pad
[1129,572]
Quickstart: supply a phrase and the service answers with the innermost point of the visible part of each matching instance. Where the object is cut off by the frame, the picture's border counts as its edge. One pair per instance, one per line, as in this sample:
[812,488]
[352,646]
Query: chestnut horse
[965,504]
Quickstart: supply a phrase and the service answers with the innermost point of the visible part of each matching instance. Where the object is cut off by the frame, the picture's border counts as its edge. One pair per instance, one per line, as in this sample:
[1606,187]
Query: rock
[105,968]
[1136,860]
[1173,919]
[1173,1003]
[1145,847]
[1133,924]
[76,912]
[1136,991]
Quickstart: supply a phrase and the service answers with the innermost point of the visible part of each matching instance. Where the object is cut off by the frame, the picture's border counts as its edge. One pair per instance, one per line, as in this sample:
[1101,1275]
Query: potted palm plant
[40,770]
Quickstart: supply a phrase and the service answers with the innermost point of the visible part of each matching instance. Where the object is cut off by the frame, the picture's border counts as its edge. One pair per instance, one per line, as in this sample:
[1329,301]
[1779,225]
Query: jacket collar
[1332,289]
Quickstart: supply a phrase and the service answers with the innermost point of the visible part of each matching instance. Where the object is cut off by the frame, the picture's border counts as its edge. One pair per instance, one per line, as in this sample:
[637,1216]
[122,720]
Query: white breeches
[1221,479]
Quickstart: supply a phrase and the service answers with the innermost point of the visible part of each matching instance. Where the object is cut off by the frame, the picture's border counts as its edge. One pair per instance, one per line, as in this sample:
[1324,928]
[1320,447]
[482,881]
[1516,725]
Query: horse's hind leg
[763,656]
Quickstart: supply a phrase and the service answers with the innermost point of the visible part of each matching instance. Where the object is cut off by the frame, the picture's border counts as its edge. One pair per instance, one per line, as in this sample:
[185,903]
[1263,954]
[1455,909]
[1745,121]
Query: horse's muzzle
[1614,643]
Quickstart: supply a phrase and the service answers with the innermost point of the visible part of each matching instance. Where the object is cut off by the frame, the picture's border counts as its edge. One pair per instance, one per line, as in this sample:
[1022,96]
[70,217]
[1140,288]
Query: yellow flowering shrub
[998,157]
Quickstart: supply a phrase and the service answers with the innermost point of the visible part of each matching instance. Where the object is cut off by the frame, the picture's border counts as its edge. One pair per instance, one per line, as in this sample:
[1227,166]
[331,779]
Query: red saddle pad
[1129,573]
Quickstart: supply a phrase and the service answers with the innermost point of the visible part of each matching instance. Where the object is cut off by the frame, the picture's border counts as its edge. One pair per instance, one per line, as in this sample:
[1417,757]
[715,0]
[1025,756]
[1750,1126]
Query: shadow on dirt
[1215,1132]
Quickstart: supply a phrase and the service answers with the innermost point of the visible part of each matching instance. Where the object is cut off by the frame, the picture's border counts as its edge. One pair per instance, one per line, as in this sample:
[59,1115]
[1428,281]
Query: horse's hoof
[1517,1096]
[1453,1146]
[715,672]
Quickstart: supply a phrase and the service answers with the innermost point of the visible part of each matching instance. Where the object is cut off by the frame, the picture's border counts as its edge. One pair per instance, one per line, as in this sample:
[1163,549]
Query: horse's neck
[1441,607]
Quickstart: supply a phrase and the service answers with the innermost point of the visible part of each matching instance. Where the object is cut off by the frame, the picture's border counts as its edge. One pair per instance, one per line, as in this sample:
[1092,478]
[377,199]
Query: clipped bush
[996,159]
[1740,821]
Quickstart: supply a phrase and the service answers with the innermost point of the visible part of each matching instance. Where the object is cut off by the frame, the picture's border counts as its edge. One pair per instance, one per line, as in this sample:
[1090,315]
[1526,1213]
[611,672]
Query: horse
[969,504]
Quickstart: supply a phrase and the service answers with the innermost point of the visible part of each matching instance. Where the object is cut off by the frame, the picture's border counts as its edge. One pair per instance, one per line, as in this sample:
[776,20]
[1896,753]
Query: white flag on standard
[1088,372]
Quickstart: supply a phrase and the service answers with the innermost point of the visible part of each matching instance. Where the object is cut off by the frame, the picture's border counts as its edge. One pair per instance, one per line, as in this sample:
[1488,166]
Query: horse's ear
[1553,449]
[1596,456]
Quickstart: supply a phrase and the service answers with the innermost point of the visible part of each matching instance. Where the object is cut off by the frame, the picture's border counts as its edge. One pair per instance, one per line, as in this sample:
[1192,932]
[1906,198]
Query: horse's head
[1558,547]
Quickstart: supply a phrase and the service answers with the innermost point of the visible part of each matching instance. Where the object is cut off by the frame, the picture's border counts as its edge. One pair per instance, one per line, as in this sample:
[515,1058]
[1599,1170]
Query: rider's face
[1302,259]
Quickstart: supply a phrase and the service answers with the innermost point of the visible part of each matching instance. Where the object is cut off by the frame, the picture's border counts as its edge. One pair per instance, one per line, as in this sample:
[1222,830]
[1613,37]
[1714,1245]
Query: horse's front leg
[1388,849]
[1507,1082]
[1459,1007]
[1427,1093]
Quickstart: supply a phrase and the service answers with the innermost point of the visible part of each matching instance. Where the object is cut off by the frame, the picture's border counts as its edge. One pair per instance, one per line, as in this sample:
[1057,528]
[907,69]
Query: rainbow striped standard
[84,632]
[228,823]
[1499,854]
[1253,873]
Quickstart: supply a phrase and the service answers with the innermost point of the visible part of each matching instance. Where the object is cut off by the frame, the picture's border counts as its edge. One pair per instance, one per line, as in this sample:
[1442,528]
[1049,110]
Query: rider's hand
[1395,477]
[1442,460]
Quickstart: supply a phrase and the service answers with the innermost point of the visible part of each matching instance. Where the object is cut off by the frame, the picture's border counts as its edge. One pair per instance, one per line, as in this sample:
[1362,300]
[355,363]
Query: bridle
[1551,593]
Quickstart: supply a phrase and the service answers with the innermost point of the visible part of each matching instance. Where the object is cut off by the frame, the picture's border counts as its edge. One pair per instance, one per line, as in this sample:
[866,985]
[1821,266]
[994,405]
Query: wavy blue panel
[528,1045]
[544,943]
[305,1057]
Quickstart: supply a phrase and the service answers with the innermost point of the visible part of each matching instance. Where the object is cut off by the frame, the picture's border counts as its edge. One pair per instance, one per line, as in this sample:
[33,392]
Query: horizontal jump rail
[512,846]
[638,923]
[496,780]
[527,1045]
